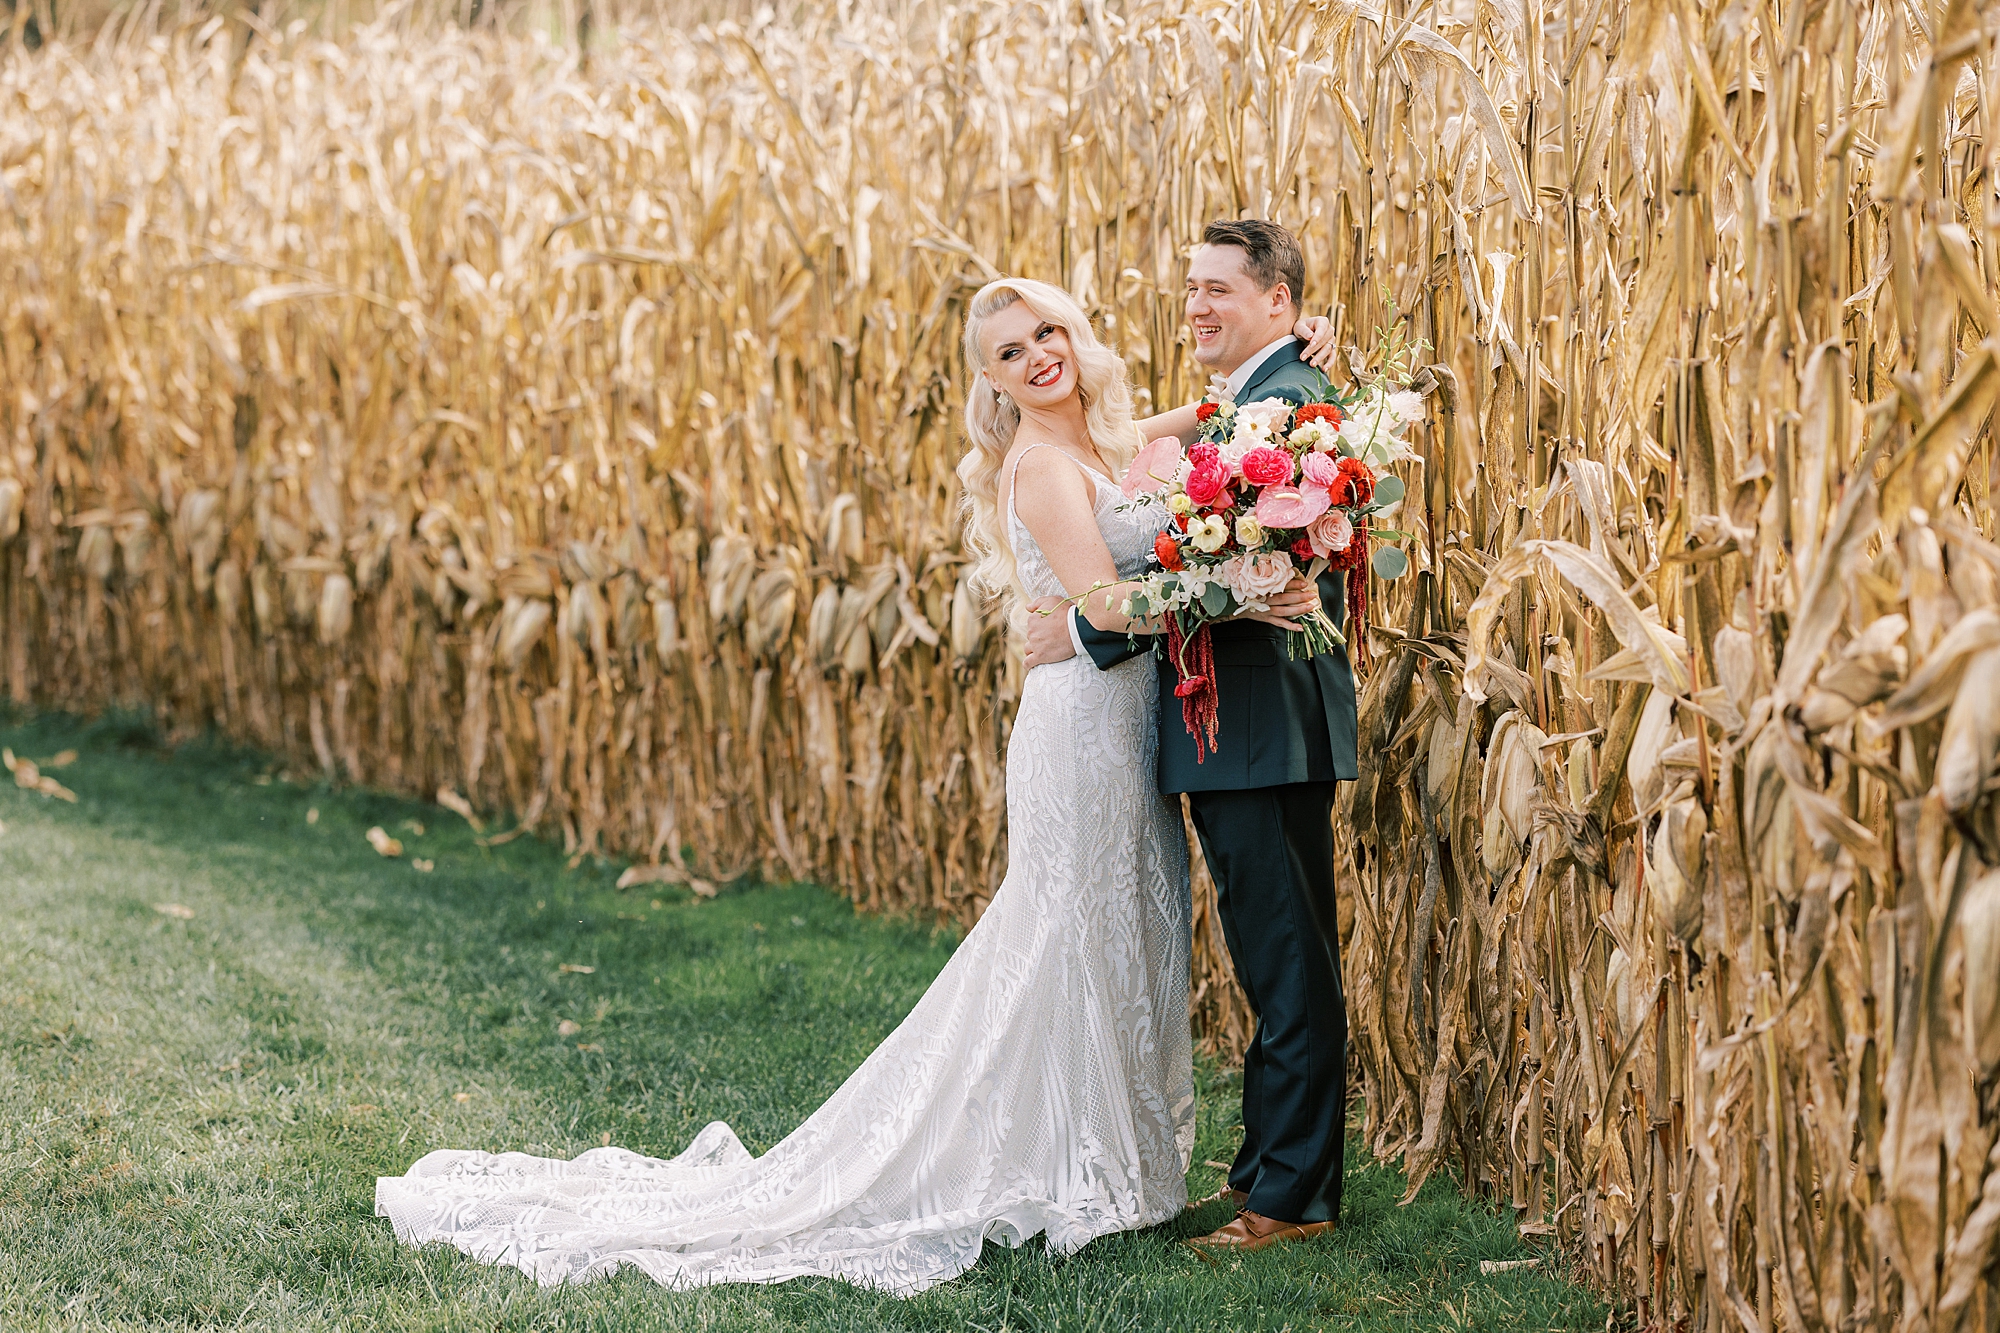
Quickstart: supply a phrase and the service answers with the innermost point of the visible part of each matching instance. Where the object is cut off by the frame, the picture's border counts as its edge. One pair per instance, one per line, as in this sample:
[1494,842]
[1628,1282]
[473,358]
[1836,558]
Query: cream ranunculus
[1178,503]
[1249,532]
[1312,436]
[1208,535]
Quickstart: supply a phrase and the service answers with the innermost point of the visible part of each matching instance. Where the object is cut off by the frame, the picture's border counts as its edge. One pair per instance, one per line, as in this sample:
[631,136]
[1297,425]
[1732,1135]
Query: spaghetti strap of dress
[1013,474]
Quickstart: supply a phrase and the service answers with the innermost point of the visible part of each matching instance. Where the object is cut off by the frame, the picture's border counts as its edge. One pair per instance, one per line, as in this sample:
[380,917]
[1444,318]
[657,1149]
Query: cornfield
[570,434]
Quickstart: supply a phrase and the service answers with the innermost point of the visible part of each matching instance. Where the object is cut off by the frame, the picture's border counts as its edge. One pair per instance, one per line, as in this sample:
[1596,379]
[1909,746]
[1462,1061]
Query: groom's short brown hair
[1271,254]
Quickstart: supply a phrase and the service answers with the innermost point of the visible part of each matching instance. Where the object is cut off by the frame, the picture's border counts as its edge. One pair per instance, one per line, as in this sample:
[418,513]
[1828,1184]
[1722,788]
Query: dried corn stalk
[591,457]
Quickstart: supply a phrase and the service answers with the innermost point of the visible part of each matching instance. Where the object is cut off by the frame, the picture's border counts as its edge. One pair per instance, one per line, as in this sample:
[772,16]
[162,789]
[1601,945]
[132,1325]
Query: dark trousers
[1271,852]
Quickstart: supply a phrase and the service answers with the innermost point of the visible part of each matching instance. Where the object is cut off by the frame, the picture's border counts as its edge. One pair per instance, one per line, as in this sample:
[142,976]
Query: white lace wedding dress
[1042,1084]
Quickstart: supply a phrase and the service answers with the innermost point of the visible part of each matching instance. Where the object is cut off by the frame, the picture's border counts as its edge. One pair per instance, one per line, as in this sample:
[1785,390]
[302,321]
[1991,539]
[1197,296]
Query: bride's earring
[1000,397]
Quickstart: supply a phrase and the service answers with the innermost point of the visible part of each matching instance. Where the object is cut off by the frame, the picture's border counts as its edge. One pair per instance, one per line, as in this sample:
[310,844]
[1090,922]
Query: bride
[1043,1084]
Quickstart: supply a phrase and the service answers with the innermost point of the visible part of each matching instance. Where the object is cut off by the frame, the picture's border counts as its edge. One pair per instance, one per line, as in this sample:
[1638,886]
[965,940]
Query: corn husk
[1666,889]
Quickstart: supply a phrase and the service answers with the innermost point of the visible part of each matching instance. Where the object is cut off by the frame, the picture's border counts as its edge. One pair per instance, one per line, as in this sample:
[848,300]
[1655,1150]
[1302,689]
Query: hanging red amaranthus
[1353,562]
[1194,664]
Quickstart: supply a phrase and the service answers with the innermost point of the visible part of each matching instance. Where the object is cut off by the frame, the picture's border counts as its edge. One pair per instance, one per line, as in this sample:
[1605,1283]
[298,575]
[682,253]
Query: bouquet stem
[1317,634]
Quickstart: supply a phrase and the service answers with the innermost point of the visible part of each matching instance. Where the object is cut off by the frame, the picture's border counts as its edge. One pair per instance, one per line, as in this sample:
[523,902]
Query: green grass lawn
[195,1102]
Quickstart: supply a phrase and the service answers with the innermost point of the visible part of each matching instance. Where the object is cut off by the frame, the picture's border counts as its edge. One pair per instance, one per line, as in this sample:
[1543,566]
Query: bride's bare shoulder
[1029,460]
[1044,477]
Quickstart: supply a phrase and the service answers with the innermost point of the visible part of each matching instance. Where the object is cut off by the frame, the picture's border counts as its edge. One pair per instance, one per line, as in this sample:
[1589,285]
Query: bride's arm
[1056,505]
[1179,422]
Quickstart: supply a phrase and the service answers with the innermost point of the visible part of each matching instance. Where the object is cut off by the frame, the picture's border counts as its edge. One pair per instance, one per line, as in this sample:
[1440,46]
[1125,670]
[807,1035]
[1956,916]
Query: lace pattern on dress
[1043,1084]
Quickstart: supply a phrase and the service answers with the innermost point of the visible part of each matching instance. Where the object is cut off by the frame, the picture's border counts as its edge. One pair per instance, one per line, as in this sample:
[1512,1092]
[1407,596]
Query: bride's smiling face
[1029,358]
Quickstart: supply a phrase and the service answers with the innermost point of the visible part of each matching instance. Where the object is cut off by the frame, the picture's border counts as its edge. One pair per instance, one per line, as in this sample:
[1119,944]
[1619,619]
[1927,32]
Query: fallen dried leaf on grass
[568,1028]
[1488,1267]
[1727,538]
[29,777]
[312,815]
[584,968]
[422,863]
[461,1096]
[459,806]
[383,843]
[666,874]
[174,910]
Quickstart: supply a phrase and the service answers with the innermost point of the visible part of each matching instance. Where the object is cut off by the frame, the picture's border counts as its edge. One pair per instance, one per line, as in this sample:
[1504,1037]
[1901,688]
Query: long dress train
[1043,1084]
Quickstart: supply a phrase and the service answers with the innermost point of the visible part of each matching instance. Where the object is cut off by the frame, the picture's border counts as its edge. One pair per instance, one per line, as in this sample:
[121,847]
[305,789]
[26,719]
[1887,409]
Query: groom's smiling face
[1231,317]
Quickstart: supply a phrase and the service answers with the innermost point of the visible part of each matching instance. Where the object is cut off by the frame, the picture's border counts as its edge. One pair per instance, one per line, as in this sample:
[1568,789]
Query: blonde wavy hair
[990,425]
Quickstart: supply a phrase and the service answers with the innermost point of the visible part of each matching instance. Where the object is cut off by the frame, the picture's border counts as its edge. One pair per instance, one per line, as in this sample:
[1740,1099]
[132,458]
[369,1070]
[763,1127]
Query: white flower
[1407,405]
[1218,390]
[1388,449]
[1178,503]
[1249,433]
[1358,431]
[1269,413]
[1249,532]
[1313,435]
[1209,535]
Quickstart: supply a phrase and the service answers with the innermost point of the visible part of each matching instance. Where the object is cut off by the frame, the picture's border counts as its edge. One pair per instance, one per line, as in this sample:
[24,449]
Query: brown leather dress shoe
[1254,1231]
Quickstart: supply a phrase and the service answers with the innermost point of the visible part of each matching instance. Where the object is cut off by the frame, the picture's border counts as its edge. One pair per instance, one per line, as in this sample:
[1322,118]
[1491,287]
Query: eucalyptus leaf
[1215,599]
[1389,490]
[1390,563]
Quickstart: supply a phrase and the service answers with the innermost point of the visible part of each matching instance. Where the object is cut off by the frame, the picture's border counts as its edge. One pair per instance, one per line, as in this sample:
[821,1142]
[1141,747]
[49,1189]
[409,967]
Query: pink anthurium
[1153,468]
[1292,506]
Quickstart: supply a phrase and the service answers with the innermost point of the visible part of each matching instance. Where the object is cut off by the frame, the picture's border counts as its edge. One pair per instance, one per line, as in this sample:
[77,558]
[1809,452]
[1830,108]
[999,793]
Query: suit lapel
[1288,355]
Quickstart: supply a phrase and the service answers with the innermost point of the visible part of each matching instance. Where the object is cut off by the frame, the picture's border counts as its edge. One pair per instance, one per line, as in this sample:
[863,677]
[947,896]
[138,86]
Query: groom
[1263,801]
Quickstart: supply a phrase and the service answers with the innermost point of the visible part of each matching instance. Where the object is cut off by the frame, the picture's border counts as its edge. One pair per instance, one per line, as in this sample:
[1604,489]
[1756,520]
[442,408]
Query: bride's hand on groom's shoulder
[1048,639]
[1316,332]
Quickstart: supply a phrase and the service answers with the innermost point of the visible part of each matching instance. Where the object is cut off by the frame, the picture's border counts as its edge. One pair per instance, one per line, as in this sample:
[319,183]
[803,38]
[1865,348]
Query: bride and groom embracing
[1044,1083]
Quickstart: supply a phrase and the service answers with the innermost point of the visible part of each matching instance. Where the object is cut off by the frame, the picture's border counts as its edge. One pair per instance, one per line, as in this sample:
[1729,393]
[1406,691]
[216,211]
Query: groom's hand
[1048,632]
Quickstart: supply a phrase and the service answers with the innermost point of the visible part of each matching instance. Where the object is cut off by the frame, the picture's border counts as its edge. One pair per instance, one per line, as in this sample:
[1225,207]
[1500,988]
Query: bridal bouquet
[1269,490]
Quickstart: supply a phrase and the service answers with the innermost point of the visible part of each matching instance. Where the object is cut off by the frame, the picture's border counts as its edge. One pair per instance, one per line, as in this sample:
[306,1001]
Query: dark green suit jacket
[1281,721]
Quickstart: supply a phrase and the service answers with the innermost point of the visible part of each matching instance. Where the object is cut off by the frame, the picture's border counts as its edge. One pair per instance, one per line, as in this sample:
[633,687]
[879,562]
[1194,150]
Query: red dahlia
[1206,410]
[1327,412]
[1355,485]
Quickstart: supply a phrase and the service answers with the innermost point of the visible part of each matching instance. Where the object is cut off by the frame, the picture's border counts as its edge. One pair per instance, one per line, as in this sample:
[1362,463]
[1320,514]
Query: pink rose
[1206,481]
[1292,506]
[1203,453]
[1330,533]
[1319,469]
[1265,466]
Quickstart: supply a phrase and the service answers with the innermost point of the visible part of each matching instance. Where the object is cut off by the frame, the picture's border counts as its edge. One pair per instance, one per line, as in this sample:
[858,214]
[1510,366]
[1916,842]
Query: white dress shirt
[1234,381]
